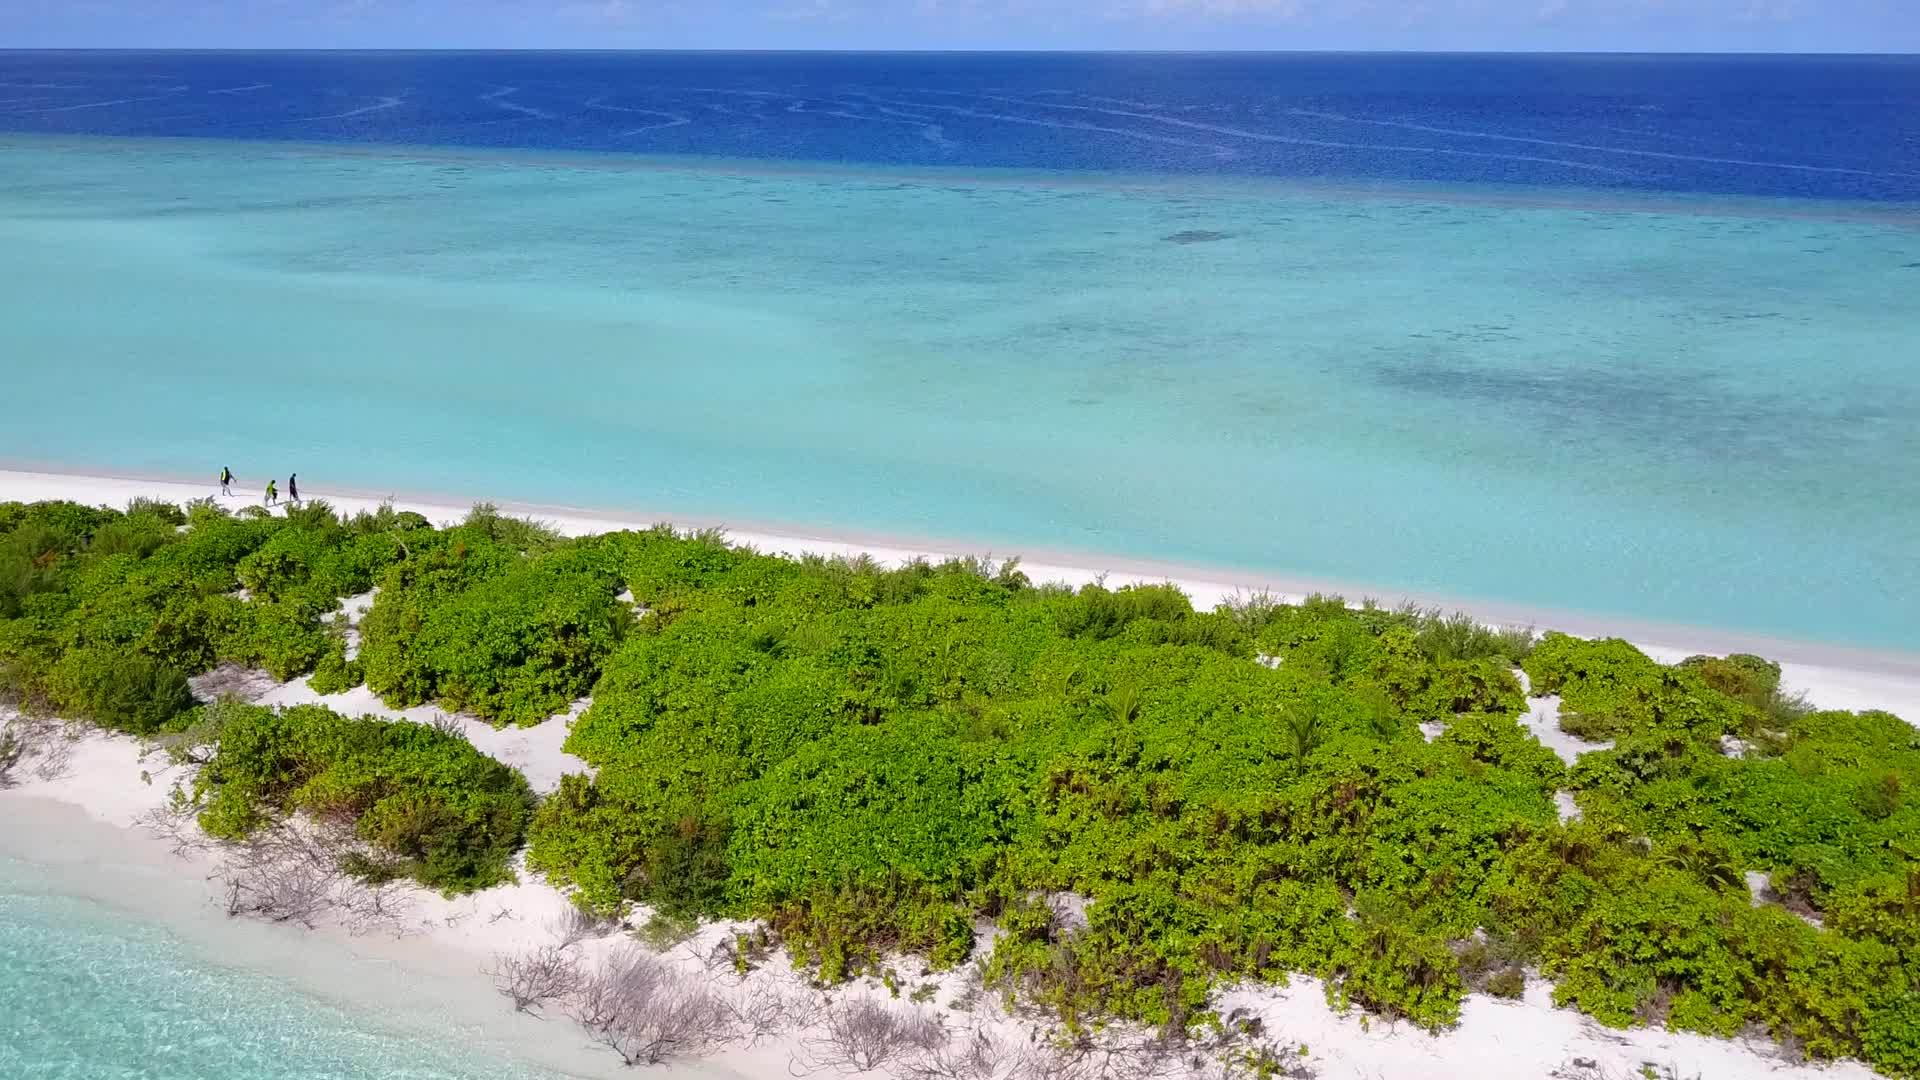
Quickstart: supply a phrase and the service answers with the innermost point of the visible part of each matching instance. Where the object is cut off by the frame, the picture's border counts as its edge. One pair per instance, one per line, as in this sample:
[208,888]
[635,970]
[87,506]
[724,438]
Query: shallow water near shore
[94,996]
[116,962]
[1677,416]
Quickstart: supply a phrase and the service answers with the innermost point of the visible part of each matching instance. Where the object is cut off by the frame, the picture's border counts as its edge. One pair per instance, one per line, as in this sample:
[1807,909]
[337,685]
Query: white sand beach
[88,821]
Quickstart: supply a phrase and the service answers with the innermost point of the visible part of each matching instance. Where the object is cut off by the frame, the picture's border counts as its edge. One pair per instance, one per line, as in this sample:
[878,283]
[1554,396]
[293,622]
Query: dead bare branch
[741,953]
[538,978]
[177,824]
[757,1013]
[1113,1057]
[862,1034]
[13,747]
[577,926]
[288,871]
[232,680]
[381,905]
[281,892]
[977,1054]
[43,741]
[647,1013]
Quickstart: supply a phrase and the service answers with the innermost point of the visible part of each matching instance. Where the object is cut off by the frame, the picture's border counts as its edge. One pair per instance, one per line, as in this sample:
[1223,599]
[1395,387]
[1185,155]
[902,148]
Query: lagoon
[1690,410]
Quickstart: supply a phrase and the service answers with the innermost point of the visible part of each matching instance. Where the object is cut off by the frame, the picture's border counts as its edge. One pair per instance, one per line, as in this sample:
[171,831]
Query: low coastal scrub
[1144,802]
[424,803]
[107,613]
[1152,802]
[497,618]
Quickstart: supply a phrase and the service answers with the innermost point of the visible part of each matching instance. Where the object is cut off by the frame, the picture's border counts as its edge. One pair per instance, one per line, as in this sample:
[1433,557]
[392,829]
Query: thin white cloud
[1285,10]
[811,11]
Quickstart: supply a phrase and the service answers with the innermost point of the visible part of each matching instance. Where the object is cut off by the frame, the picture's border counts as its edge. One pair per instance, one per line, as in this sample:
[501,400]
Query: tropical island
[932,788]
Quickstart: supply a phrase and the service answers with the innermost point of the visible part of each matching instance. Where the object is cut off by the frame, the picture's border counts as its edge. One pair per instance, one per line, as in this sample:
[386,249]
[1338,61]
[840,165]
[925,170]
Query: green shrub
[1508,982]
[164,512]
[1609,689]
[1460,636]
[123,691]
[433,807]
[481,628]
[333,673]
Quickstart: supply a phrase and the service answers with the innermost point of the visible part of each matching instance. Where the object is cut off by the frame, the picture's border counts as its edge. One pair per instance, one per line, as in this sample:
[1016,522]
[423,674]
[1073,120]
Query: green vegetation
[426,804]
[496,618]
[107,613]
[1147,801]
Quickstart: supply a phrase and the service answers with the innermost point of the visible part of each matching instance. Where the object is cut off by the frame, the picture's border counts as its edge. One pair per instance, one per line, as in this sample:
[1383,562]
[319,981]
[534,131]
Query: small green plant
[1508,982]
[662,931]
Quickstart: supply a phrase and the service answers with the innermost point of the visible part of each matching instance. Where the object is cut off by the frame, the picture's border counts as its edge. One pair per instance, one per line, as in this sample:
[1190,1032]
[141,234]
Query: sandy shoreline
[1832,676]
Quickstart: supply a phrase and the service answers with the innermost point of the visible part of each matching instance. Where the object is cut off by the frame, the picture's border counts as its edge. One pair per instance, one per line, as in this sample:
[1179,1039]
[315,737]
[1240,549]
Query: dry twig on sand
[536,979]
[648,1013]
[43,742]
[13,747]
[862,1035]
[577,926]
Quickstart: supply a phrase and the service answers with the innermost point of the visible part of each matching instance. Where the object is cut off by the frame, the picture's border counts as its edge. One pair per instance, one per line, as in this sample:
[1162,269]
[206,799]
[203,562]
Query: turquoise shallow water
[93,995]
[1701,412]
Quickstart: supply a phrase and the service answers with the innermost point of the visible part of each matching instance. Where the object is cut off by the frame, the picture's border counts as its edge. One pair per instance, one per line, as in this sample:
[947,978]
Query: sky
[1440,25]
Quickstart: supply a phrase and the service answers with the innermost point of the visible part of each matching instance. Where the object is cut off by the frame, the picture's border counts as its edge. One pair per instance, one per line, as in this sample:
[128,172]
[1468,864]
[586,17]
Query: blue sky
[1598,25]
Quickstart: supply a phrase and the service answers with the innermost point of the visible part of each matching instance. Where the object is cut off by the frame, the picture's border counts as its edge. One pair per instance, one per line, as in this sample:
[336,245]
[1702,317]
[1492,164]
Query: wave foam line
[99,104]
[1291,140]
[1662,154]
[1032,121]
[498,99]
[378,106]
[668,119]
[929,130]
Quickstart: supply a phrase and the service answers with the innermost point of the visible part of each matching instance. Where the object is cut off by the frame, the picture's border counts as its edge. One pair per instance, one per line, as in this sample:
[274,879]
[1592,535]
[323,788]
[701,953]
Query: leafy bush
[333,673]
[159,585]
[431,806]
[482,627]
[125,692]
[1609,688]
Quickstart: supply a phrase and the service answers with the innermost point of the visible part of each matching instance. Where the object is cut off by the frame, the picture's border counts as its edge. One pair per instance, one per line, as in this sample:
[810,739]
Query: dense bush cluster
[873,760]
[1147,802]
[104,614]
[497,618]
[426,804]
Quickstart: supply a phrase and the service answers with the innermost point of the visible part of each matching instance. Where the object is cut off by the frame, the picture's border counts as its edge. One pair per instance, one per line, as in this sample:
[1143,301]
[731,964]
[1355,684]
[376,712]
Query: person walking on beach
[273,493]
[293,489]
[226,480]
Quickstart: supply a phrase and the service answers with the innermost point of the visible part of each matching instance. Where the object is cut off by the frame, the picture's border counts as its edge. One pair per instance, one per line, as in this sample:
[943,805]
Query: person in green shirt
[226,480]
[273,492]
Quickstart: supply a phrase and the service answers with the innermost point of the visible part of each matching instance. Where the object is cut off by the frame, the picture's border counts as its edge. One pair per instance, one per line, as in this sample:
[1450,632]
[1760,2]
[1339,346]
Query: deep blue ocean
[1826,127]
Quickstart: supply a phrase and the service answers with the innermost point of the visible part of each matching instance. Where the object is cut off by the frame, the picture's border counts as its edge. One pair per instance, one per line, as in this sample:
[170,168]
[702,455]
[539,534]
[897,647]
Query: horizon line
[802,51]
